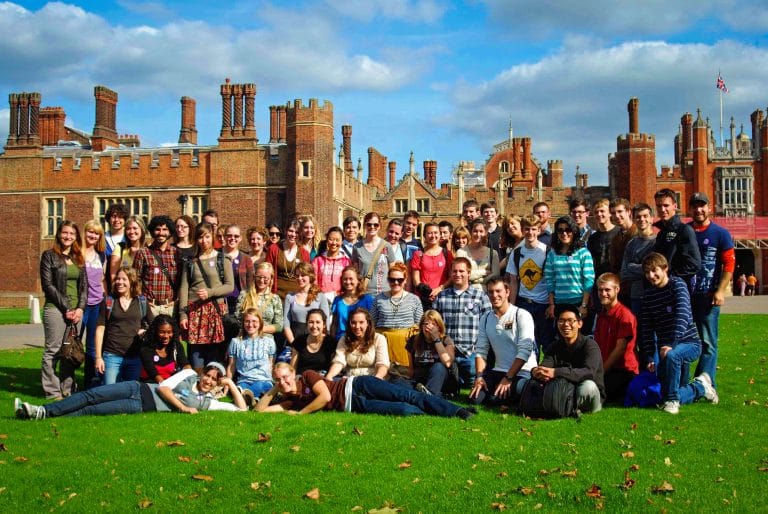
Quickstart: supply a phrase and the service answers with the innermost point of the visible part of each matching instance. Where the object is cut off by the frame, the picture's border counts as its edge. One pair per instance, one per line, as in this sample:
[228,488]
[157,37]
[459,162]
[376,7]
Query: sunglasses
[372,225]
[564,231]
[274,234]
[393,280]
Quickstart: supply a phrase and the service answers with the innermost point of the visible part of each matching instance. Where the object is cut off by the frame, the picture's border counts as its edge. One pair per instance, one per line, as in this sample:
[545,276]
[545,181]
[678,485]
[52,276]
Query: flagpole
[721,111]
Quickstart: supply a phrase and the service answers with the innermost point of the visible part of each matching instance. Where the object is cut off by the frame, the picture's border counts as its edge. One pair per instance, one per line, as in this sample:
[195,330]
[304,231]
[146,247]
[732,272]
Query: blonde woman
[309,236]
[260,297]
[432,353]
[94,245]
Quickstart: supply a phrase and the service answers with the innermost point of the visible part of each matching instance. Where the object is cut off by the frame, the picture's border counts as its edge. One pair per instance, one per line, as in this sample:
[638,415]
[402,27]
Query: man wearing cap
[576,358]
[676,241]
[718,261]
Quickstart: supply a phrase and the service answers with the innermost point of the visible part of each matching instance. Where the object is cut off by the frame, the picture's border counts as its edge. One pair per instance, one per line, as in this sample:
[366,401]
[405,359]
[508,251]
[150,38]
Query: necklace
[396,304]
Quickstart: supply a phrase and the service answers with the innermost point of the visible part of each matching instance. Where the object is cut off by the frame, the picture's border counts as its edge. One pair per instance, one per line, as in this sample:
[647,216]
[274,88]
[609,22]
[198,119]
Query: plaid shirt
[461,313]
[155,284]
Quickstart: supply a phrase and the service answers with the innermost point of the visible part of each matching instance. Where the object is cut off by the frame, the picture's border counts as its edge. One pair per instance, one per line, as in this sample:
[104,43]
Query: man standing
[718,260]
[580,214]
[212,218]
[446,231]
[490,216]
[525,276]
[351,229]
[157,267]
[394,233]
[676,241]
[461,307]
[541,210]
[412,243]
[632,276]
[509,332]
[599,246]
[116,215]
[470,211]
[666,326]
[615,332]
[576,358]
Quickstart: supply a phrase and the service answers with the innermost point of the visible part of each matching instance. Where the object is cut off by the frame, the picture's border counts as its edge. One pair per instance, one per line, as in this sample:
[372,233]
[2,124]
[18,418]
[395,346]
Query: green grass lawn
[14,316]
[714,457]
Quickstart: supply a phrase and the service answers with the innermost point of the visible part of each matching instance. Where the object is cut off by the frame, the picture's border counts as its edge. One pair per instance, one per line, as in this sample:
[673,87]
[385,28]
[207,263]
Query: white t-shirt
[530,276]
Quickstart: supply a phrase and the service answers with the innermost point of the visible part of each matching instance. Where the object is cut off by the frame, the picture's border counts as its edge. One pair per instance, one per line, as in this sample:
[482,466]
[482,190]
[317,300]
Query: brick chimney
[282,119]
[238,129]
[188,133]
[273,120]
[24,122]
[392,174]
[52,125]
[633,107]
[430,173]
[346,133]
[104,129]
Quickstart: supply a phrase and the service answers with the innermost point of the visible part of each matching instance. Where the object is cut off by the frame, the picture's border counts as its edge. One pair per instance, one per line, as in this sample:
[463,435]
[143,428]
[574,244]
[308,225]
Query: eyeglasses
[263,279]
[274,234]
[570,322]
[372,225]
[564,231]
[578,213]
[394,280]
[232,236]
[180,227]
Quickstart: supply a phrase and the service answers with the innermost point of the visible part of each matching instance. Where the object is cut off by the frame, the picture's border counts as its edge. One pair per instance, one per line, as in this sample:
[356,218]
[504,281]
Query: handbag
[374,261]
[72,349]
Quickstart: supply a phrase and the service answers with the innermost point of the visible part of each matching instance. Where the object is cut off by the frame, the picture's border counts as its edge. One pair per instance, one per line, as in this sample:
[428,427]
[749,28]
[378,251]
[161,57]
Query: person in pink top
[329,264]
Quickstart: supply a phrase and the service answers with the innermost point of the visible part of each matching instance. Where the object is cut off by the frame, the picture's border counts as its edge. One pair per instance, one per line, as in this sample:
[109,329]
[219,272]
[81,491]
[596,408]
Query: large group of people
[373,319]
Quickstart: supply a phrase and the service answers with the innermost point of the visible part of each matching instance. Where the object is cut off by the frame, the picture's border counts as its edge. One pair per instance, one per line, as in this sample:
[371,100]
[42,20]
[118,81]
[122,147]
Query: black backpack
[550,400]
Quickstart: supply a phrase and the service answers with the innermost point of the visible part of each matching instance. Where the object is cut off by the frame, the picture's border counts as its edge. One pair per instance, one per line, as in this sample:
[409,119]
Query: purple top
[95,271]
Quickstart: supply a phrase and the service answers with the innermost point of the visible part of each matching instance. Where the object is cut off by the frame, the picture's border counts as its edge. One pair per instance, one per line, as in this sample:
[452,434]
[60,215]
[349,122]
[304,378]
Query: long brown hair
[360,289]
[75,253]
[364,344]
[306,269]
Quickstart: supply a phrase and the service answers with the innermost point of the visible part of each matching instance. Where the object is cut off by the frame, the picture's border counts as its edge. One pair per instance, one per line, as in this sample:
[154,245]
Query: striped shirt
[405,312]
[461,312]
[666,315]
[569,276]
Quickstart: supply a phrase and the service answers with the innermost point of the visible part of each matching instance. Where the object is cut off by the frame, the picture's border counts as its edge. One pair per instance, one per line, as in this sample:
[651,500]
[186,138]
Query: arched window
[504,167]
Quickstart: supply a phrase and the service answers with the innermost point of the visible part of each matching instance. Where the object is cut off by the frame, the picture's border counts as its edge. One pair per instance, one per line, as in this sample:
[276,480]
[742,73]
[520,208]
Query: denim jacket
[53,279]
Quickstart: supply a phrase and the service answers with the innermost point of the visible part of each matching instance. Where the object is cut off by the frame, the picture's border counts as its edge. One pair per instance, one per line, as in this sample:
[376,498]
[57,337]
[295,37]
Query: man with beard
[157,267]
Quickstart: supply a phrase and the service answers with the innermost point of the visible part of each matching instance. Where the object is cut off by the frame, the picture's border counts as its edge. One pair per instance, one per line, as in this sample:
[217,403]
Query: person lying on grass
[310,392]
[183,392]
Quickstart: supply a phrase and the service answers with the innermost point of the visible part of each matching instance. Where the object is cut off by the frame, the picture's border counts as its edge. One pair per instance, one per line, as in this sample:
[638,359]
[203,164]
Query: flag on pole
[721,84]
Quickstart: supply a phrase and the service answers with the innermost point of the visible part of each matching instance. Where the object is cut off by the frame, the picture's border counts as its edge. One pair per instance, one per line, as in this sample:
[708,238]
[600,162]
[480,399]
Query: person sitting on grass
[431,356]
[310,392]
[666,324]
[250,357]
[163,354]
[361,351]
[183,392]
[316,349]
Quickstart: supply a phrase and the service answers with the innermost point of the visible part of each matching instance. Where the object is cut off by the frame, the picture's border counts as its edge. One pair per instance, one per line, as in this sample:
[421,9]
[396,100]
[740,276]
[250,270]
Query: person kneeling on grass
[183,392]
[310,392]
[251,356]
[666,324]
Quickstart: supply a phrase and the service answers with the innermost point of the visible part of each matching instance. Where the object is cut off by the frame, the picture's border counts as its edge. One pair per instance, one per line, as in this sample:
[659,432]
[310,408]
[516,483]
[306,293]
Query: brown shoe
[250,400]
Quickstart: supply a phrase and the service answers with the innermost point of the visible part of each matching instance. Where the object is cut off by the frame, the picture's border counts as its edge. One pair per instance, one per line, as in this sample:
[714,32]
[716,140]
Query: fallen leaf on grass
[3,436]
[634,467]
[204,478]
[595,492]
[502,474]
[629,482]
[404,465]
[357,431]
[633,426]
[263,438]
[667,461]
[386,509]
[3,448]
[261,485]
[175,443]
[483,457]
[719,480]
[313,494]
[145,503]
[498,506]
[295,448]
[664,488]
[628,455]
[183,458]
[122,441]
[657,437]
[356,508]
[526,491]
[543,472]
[569,473]
[763,469]
[751,381]
[670,441]
[21,459]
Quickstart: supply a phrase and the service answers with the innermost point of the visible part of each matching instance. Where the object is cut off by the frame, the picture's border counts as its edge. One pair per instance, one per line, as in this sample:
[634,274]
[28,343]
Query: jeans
[466,370]
[88,328]
[119,398]
[492,380]
[673,372]
[371,395]
[706,317]
[118,368]
[543,328]
[257,387]
[62,383]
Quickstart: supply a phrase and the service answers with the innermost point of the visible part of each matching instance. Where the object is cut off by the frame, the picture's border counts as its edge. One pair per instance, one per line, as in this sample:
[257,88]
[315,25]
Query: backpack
[110,303]
[550,400]
[517,253]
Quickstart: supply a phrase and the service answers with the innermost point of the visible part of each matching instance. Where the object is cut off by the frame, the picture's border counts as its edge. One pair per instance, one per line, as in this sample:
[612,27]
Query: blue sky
[436,77]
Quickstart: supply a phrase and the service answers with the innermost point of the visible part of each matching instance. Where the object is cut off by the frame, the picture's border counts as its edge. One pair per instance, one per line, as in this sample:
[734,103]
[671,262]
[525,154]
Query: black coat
[53,279]
[577,362]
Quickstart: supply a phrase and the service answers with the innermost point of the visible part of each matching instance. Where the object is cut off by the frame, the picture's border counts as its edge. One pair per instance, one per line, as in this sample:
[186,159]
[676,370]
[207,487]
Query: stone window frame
[196,205]
[50,222]
[102,203]
[304,169]
[735,191]
[422,205]
[400,205]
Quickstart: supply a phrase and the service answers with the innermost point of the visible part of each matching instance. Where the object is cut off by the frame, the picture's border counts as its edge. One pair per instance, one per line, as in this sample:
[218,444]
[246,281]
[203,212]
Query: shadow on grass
[20,381]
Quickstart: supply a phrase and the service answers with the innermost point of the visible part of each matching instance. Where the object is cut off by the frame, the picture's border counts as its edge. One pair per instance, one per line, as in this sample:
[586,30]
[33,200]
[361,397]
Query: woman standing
[260,297]
[373,255]
[121,323]
[485,260]
[431,267]
[460,241]
[308,236]
[163,355]
[284,257]
[257,238]
[511,236]
[314,350]
[351,296]
[298,304]
[185,229]
[242,265]
[329,265]
[432,353]
[135,240]
[65,285]
[204,285]
[394,314]
[94,246]
[568,271]
[361,351]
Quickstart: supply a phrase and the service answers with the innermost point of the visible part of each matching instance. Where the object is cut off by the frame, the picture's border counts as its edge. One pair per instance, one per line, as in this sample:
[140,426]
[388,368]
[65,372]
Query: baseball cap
[698,197]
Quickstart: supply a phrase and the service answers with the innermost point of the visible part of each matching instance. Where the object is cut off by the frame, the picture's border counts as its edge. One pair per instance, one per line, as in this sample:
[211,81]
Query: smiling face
[396,280]
[514,230]
[445,234]
[409,226]
[133,232]
[67,237]
[116,223]
[498,294]
[644,220]
[531,233]
[232,238]
[165,334]
[349,281]
[333,243]
[579,215]
[700,212]
[394,232]
[607,292]
[432,235]
[542,211]
[351,231]
[121,284]
[205,242]
[285,379]
[161,234]
[460,275]
[291,234]
[490,216]
[372,227]
[315,324]
[657,276]
[564,233]
[602,215]
[358,324]
[182,229]
[251,325]
[666,208]
[308,231]
[479,234]
[256,242]
[622,215]
[569,324]
[208,380]
[263,280]
[92,238]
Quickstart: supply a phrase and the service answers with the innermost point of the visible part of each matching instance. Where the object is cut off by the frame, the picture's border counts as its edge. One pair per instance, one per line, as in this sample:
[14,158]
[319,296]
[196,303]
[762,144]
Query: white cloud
[412,11]
[573,103]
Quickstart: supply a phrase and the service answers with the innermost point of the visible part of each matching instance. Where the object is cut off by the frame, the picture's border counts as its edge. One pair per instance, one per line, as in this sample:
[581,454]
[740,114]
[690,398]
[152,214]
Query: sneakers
[671,406]
[26,410]
[422,388]
[18,409]
[710,393]
[466,413]
[250,400]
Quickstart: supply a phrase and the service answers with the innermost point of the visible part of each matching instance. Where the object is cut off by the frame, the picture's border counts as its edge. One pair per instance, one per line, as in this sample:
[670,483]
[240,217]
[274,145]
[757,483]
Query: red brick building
[734,176]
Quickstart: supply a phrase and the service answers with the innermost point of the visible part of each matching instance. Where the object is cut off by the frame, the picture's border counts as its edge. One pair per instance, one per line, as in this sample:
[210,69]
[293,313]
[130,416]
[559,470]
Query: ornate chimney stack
[188,132]
[346,132]
[237,122]
[282,118]
[633,107]
[273,128]
[392,174]
[24,122]
[430,173]
[104,129]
